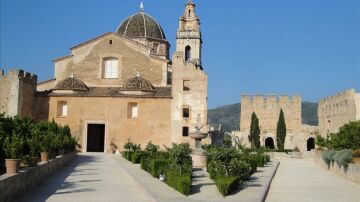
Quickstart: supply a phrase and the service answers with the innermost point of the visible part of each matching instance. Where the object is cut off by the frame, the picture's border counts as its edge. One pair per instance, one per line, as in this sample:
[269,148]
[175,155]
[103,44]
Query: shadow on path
[58,184]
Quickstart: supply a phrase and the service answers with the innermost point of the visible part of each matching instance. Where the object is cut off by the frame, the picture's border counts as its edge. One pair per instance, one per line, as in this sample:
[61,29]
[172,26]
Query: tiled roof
[160,92]
[141,25]
[71,84]
[138,84]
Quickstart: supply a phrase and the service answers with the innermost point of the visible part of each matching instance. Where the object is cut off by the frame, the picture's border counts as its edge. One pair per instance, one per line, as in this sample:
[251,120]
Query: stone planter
[356,160]
[44,156]
[12,165]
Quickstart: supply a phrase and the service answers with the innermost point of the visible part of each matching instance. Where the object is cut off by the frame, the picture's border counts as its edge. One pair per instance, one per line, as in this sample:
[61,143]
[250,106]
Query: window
[185,131]
[186,85]
[155,48]
[186,112]
[133,110]
[111,68]
[110,42]
[187,53]
[189,12]
[62,109]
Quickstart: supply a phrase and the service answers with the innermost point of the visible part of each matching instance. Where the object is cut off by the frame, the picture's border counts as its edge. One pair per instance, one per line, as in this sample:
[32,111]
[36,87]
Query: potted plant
[13,147]
[356,156]
[45,146]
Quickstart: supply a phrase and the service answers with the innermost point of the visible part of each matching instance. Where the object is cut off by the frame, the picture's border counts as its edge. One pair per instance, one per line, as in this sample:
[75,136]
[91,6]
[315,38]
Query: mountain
[229,115]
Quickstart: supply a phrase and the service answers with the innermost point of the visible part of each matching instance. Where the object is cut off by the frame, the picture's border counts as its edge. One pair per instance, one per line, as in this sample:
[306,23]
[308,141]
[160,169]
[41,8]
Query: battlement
[19,74]
[269,99]
[340,95]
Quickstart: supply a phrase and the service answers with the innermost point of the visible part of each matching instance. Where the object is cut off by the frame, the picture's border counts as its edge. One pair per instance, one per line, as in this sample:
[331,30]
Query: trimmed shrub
[327,156]
[181,183]
[145,163]
[215,169]
[227,185]
[127,155]
[136,157]
[239,168]
[343,157]
[158,167]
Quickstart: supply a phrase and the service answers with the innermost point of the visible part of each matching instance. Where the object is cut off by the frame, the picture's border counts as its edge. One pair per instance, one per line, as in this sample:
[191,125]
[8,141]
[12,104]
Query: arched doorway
[310,143]
[269,143]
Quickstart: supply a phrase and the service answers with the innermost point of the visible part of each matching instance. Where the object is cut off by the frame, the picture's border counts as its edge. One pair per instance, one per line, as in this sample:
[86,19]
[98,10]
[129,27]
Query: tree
[254,136]
[348,136]
[281,131]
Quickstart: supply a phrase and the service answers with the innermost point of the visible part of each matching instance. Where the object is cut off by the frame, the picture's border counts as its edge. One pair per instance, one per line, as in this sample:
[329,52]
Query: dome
[71,84]
[141,25]
[138,84]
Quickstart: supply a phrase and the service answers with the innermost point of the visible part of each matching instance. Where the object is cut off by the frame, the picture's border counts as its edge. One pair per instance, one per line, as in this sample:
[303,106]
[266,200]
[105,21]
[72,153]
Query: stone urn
[12,165]
[199,158]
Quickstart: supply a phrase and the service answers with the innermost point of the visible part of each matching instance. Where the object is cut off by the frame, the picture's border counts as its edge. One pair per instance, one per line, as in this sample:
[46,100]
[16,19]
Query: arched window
[111,66]
[187,53]
[189,13]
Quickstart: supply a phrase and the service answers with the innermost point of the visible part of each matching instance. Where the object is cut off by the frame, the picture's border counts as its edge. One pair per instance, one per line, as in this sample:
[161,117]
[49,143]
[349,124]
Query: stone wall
[351,173]
[87,60]
[17,93]
[337,110]
[267,110]
[195,99]
[153,121]
[12,186]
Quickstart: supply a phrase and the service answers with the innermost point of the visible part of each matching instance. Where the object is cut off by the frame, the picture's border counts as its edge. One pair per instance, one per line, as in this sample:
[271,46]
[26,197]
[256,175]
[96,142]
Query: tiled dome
[71,84]
[141,25]
[138,84]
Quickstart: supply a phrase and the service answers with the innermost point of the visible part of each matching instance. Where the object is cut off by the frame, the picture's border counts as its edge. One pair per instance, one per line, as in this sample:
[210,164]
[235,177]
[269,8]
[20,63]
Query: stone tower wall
[268,109]
[337,110]
[17,93]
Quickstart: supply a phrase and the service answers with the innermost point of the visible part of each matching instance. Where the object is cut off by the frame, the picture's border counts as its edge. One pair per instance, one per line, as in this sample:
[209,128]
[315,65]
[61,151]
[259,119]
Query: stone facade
[17,93]
[140,53]
[337,110]
[267,110]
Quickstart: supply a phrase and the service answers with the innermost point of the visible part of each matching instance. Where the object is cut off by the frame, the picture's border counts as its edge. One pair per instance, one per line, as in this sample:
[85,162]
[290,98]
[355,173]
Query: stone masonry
[337,110]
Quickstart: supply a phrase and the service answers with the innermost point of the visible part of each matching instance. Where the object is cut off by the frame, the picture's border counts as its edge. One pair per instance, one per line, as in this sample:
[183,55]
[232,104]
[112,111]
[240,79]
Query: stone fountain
[199,158]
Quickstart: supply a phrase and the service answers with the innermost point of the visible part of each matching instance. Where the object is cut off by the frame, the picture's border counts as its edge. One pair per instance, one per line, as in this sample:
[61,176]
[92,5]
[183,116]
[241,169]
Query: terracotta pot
[356,160]
[12,165]
[44,156]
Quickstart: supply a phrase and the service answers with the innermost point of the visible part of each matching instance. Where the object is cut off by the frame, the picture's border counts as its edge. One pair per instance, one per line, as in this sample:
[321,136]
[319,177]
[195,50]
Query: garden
[25,142]
[342,147]
[227,166]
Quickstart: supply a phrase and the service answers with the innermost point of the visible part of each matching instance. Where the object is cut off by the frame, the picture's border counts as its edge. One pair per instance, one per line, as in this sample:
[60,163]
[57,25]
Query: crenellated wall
[337,110]
[267,109]
[17,93]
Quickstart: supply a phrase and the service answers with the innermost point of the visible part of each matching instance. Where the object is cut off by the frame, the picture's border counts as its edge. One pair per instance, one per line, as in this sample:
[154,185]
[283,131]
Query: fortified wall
[268,109]
[17,93]
[337,110]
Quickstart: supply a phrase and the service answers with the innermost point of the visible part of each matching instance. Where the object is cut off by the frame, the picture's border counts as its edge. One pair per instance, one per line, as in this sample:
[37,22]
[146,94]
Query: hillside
[229,115]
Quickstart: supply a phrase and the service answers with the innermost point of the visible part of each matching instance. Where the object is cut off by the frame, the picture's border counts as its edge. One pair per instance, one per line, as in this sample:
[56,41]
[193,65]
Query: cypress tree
[281,131]
[254,136]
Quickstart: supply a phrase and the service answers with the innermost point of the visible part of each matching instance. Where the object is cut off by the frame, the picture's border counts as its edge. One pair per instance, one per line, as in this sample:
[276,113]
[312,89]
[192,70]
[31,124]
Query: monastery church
[120,85]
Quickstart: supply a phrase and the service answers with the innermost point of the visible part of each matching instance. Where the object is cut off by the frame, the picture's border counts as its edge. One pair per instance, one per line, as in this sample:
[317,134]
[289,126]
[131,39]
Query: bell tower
[188,38]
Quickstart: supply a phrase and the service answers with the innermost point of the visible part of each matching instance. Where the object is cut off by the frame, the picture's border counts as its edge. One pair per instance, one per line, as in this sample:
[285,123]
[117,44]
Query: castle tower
[188,38]
[189,81]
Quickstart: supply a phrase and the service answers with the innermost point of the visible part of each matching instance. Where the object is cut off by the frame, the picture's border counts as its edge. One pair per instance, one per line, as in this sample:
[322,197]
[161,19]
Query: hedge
[158,166]
[136,157]
[227,185]
[181,183]
[127,154]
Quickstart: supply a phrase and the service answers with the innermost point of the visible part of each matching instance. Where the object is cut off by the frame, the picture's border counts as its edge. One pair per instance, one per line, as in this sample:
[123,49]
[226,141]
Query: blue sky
[307,47]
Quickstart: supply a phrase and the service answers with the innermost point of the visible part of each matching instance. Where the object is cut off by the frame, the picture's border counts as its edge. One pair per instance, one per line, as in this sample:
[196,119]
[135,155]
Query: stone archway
[269,143]
[310,144]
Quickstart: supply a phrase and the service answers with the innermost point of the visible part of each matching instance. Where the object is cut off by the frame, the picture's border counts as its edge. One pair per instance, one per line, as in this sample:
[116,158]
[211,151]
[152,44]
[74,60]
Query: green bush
[158,167]
[239,168]
[127,155]
[181,183]
[215,169]
[152,148]
[136,156]
[343,157]
[327,156]
[180,159]
[145,163]
[227,185]
[13,146]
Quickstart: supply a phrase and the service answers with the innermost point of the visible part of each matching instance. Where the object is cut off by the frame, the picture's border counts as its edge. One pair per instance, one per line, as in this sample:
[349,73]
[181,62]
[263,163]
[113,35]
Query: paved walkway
[301,180]
[90,177]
